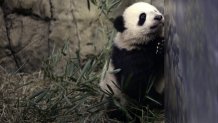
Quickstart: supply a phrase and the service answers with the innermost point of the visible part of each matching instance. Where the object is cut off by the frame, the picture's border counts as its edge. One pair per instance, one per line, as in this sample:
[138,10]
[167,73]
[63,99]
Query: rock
[4,49]
[191,61]
[28,41]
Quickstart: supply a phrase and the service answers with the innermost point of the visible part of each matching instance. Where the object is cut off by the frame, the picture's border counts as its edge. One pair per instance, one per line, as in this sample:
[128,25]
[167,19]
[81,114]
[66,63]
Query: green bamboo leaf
[115,71]
[67,99]
[101,104]
[153,100]
[41,96]
[65,49]
[84,70]
[113,5]
[37,94]
[75,100]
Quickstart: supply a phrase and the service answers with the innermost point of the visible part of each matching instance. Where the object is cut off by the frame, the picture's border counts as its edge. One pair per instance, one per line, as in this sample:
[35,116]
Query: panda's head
[140,23]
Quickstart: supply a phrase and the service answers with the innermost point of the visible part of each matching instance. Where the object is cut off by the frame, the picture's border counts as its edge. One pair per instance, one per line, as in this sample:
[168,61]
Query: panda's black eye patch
[142,18]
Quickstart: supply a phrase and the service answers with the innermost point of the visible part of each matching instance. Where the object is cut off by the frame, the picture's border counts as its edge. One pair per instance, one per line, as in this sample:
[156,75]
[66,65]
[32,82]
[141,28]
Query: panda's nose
[158,17]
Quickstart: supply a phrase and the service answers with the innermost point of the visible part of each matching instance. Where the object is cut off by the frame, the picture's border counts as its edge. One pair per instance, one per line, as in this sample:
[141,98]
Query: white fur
[135,34]
[110,80]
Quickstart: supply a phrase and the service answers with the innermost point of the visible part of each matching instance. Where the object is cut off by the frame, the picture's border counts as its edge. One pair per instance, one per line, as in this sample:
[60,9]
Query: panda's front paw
[160,47]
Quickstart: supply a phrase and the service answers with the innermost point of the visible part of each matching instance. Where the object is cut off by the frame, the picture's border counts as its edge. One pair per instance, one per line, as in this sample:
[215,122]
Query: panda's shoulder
[122,57]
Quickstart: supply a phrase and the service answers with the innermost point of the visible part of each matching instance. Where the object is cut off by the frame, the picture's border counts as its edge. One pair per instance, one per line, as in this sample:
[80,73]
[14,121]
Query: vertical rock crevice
[7,27]
[50,47]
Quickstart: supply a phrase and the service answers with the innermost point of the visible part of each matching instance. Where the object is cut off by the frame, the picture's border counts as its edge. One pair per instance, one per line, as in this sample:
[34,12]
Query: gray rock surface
[191,61]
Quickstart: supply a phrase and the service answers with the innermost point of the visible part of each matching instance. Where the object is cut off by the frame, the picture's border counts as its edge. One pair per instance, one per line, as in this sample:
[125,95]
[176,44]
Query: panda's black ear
[119,24]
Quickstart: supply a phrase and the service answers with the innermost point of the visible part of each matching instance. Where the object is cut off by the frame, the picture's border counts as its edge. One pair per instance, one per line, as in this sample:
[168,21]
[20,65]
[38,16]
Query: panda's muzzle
[159,21]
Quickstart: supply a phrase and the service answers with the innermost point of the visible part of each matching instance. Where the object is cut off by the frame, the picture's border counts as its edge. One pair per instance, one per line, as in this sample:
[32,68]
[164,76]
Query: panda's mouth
[153,27]
[156,25]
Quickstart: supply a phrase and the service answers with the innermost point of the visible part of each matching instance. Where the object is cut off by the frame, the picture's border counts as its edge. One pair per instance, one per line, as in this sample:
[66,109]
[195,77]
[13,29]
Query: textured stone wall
[31,29]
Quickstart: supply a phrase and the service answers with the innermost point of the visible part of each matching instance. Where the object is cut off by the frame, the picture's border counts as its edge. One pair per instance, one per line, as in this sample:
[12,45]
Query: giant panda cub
[137,60]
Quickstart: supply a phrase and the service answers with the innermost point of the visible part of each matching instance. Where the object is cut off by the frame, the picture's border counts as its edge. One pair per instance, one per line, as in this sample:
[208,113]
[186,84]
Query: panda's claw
[160,48]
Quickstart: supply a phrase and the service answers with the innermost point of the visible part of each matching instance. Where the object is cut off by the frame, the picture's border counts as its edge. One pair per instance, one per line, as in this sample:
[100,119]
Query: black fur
[142,19]
[119,24]
[138,67]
